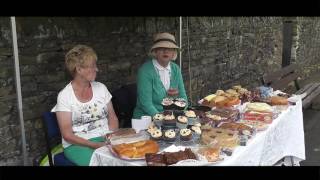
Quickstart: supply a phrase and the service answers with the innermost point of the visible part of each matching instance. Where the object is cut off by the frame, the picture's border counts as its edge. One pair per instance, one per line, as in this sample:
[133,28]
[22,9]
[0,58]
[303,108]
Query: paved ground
[311,119]
[312,137]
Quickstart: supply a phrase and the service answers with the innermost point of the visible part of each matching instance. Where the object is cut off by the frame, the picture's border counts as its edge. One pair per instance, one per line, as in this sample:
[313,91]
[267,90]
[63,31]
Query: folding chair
[124,101]
[53,140]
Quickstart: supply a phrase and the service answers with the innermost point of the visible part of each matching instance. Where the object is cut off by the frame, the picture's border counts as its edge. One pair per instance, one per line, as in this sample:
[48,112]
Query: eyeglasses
[166,49]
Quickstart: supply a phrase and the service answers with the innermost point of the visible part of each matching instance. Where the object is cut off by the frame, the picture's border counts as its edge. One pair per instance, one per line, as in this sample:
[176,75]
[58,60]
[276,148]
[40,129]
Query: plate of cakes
[134,151]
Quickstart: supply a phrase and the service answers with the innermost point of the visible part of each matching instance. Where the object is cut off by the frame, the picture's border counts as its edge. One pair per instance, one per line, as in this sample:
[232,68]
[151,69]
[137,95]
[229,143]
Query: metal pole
[18,88]
[180,52]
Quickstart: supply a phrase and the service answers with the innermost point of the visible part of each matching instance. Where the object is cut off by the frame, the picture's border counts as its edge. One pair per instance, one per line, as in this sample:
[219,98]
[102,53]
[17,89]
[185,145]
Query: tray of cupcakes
[170,127]
[174,103]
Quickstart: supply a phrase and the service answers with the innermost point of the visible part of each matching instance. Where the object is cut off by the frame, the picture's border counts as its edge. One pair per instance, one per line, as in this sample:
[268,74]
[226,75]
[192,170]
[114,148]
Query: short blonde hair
[78,56]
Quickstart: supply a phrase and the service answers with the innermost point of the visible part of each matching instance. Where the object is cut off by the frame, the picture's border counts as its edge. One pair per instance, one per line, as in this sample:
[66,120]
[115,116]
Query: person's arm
[65,125]
[144,92]
[112,117]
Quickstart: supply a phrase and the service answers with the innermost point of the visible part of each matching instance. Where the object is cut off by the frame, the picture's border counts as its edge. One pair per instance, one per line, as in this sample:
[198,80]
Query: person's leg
[81,155]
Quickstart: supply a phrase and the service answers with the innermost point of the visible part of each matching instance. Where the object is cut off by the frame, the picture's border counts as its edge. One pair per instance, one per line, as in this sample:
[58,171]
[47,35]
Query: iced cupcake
[157,119]
[185,134]
[191,115]
[167,103]
[156,134]
[180,104]
[169,120]
[170,135]
[196,132]
[182,122]
[152,128]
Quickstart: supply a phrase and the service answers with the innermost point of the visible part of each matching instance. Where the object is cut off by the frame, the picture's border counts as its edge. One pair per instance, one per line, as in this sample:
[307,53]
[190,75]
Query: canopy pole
[18,88]
[180,52]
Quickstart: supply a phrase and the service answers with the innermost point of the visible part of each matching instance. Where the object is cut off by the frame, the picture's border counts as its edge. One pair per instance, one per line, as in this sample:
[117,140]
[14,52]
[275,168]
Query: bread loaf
[277,100]
[137,149]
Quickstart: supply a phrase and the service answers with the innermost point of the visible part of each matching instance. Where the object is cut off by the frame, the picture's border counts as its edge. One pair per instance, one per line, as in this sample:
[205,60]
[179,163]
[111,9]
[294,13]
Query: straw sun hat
[164,40]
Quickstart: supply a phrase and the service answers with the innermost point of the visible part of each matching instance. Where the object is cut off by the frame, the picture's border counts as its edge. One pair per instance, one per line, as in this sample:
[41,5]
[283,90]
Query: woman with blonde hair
[84,109]
[159,77]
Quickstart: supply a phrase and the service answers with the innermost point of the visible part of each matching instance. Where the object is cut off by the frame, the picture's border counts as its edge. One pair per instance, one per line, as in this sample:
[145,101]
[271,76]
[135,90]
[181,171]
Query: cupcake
[156,134]
[191,115]
[152,128]
[169,120]
[157,119]
[170,135]
[167,103]
[185,134]
[180,103]
[196,130]
[182,122]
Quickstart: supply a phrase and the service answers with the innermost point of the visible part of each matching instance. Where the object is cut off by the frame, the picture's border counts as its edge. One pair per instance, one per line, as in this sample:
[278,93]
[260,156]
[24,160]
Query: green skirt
[81,155]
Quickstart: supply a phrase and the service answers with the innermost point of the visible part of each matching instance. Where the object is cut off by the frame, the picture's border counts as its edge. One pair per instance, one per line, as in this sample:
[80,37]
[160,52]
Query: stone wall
[121,43]
[222,51]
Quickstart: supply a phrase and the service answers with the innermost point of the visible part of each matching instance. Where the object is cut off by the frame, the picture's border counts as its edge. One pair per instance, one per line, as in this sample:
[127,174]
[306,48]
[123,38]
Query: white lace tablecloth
[283,138]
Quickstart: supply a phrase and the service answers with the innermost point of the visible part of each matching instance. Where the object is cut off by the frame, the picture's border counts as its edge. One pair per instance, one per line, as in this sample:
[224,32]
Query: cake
[212,154]
[167,103]
[155,159]
[185,134]
[277,100]
[174,157]
[156,134]
[182,122]
[170,135]
[137,149]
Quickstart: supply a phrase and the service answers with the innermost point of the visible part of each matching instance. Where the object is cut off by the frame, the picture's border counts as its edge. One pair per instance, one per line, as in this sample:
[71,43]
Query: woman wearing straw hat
[159,77]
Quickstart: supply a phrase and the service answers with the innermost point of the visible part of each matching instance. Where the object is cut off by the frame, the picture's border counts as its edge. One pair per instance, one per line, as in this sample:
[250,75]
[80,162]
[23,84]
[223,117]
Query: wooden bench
[280,80]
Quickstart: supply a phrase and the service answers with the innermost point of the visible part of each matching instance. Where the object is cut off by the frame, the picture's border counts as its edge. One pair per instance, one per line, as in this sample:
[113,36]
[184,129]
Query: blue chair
[53,138]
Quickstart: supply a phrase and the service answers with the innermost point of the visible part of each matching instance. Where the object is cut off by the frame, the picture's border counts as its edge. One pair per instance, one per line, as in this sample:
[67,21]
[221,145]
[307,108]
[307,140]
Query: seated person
[84,109]
[159,77]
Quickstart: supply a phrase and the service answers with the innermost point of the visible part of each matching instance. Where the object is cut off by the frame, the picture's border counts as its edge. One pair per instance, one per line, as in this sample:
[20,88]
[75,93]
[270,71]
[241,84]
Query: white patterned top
[89,119]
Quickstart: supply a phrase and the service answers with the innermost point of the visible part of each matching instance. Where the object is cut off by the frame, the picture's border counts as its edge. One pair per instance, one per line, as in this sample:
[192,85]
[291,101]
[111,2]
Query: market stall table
[283,138]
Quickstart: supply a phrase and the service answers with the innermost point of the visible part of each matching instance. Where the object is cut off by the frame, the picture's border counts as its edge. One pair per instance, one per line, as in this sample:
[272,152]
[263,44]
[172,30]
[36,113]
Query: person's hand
[172,92]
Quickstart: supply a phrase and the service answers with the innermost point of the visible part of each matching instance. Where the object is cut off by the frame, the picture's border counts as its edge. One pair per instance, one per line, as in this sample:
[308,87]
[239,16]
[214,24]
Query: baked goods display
[136,150]
[211,131]
[224,137]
